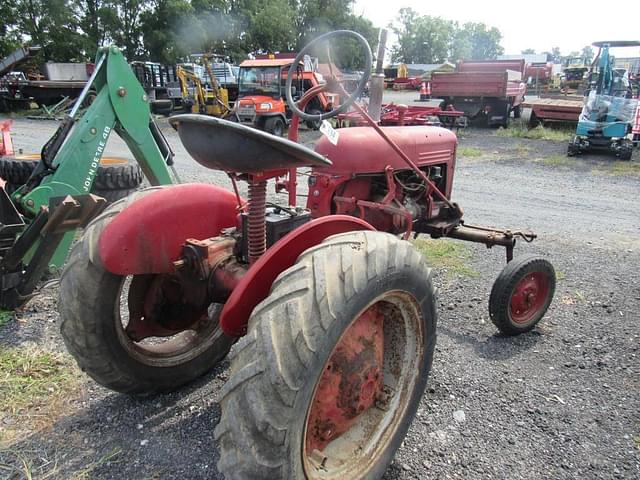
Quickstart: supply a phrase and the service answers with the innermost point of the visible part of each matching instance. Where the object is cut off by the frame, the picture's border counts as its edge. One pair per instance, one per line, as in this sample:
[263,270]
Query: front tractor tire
[336,359]
[94,308]
[522,294]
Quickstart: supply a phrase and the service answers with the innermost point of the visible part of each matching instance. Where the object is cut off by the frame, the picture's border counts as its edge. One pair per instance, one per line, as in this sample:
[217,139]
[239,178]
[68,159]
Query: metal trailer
[486,90]
[554,108]
[400,115]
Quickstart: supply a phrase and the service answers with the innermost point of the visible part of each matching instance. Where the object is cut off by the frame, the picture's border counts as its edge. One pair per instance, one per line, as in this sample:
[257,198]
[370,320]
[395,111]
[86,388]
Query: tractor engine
[371,181]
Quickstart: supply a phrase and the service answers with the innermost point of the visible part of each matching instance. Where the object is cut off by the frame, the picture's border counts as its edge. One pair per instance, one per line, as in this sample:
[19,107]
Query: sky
[568,25]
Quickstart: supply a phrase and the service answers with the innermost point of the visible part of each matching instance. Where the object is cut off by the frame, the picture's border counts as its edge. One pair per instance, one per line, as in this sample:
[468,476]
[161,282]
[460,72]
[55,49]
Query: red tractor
[333,313]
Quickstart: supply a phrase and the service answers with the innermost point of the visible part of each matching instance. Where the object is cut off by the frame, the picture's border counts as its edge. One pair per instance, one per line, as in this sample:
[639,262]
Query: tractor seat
[232,147]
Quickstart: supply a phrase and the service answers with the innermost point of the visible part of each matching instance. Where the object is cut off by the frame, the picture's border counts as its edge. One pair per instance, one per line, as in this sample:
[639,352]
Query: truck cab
[261,97]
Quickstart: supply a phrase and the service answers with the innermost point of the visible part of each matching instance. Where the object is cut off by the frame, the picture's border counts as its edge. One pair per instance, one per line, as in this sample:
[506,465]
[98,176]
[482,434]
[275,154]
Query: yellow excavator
[198,99]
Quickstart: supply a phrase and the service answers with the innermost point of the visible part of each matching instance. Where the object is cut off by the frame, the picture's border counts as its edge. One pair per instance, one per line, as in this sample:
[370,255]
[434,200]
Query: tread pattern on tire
[500,297]
[284,336]
[109,177]
[82,282]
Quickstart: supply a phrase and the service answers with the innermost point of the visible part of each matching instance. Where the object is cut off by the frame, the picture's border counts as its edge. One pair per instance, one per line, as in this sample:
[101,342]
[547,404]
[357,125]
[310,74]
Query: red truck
[487,90]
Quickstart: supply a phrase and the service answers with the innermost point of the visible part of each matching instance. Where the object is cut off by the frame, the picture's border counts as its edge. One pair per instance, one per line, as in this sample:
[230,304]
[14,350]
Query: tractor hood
[362,150]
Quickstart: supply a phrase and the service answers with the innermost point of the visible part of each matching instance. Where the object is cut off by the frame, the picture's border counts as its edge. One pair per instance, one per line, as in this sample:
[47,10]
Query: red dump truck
[487,90]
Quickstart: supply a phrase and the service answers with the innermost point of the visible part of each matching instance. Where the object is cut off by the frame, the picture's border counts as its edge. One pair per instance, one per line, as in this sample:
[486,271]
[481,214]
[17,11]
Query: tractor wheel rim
[166,351]
[364,389]
[529,297]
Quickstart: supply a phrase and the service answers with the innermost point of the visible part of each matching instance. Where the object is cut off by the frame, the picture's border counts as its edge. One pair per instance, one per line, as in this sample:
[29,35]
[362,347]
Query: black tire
[114,174]
[517,111]
[626,150]
[534,121]
[573,149]
[274,126]
[163,106]
[87,304]
[504,290]
[314,125]
[291,336]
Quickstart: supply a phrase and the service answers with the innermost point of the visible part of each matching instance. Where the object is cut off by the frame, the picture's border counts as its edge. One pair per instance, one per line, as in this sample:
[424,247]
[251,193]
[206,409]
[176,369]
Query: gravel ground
[561,402]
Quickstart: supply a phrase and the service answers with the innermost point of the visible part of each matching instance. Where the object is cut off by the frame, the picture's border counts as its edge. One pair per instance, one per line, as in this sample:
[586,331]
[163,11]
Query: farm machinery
[332,309]
[48,196]
[607,118]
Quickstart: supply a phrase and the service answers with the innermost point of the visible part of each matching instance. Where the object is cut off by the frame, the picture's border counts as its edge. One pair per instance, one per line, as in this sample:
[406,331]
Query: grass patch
[557,161]
[620,168]
[35,388]
[560,275]
[448,255]
[521,130]
[522,149]
[469,152]
[5,317]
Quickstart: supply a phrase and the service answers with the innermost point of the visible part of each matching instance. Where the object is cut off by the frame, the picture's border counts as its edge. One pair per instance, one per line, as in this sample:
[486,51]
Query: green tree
[126,31]
[485,41]
[426,39]
[97,20]
[9,36]
[160,28]
[587,54]
[52,25]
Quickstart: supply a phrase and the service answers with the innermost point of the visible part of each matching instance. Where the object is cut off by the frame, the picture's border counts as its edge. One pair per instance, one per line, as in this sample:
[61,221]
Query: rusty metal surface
[255,285]
[147,236]
[351,382]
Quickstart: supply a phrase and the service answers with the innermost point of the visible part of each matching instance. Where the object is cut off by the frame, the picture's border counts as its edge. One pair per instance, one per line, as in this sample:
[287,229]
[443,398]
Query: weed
[560,275]
[619,168]
[557,161]
[35,387]
[519,129]
[469,152]
[448,255]
[522,149]
[85,473]
[5,317]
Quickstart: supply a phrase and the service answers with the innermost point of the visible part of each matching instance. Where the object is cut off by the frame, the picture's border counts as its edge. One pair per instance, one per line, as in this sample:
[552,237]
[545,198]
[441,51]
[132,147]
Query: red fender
[147,236]
[256,284]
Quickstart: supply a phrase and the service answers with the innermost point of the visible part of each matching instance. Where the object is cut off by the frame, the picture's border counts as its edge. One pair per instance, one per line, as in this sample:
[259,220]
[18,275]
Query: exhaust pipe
[376,88]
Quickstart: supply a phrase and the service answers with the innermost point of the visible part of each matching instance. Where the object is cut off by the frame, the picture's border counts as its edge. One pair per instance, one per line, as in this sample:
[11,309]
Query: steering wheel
[331,80]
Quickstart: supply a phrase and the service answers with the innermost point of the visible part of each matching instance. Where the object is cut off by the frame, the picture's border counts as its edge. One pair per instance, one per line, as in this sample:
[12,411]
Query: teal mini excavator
[607,118]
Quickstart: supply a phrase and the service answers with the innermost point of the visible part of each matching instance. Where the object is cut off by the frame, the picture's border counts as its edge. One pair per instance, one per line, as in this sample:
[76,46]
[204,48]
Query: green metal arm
[120,105]
[71,159]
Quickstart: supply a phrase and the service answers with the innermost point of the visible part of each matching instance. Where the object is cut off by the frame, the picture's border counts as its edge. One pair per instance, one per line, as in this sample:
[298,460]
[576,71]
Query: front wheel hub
[529,296]
[351,383]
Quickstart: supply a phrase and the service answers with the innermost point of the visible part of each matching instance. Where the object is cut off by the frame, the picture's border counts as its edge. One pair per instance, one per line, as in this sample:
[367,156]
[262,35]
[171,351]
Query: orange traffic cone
[6,146]
[425,92]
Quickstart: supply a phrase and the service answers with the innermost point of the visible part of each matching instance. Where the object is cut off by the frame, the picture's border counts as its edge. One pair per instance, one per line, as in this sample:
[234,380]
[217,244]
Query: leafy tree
[52,25]
[485,41]
[98,20]
[9,37]
[159,26]
[426,39]
[127,30]
[587,54]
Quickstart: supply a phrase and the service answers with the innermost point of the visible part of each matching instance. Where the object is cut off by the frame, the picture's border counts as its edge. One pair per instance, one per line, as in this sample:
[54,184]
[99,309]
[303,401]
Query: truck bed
[473,84]
[560,108]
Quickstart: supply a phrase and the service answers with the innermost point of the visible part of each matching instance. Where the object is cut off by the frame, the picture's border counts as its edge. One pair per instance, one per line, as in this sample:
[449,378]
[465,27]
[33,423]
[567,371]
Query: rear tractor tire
[94,307]
[522,294]
[335,362]
[116,177]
